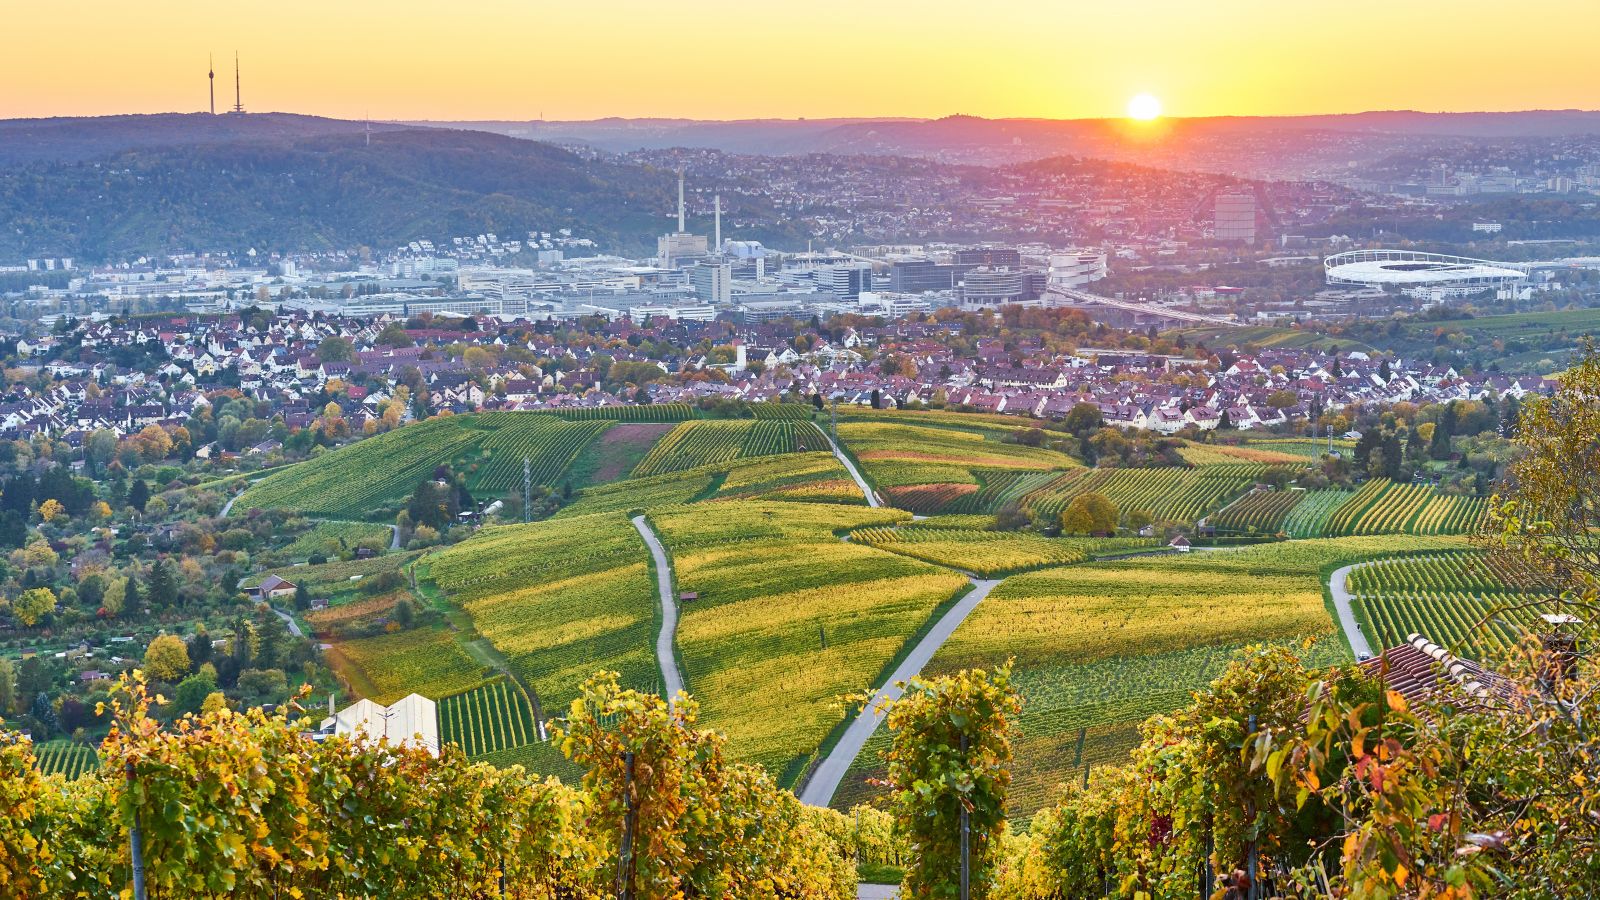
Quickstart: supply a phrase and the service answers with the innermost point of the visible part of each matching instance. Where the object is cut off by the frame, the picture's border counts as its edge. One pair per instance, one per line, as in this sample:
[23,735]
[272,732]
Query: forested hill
[284,189]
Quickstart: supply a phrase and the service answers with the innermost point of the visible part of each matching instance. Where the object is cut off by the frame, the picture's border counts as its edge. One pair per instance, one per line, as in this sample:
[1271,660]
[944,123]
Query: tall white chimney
[717,202]
[680,201]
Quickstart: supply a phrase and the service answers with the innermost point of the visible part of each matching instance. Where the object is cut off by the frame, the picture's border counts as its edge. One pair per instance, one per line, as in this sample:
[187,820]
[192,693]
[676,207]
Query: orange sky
[518,59]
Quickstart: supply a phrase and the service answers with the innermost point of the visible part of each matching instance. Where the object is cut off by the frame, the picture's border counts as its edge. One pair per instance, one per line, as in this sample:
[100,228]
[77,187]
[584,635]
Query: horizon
[505,62]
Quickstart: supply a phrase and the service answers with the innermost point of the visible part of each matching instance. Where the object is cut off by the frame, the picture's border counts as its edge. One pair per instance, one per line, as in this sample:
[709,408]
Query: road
[1338,587]
[671,678]
[872,498]
[825,780]
[227,506]
[294,627]
[394,540]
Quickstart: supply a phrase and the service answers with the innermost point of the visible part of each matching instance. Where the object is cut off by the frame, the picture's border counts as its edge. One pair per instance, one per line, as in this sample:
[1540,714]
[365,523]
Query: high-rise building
[713,281]
[916,276]
[1236,217]
[992,287]
[1077,268]
[992,257]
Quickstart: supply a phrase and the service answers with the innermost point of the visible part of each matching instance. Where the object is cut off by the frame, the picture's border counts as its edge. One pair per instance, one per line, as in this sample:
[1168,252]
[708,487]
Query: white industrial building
[412,721]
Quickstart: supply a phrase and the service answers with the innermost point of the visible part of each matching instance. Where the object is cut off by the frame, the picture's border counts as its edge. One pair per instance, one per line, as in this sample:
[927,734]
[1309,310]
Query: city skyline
[500,60]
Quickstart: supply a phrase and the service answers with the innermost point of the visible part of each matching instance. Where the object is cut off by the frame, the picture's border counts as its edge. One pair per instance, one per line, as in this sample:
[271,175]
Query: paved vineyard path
[671,678]
[872,498]
[825,780]
[294,627]
[1338,585]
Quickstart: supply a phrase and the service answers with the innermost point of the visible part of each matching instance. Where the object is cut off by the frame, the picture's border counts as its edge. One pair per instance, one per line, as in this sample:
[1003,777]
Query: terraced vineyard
[560,599]
[1309,517]
[695,444]
[1458,600]
[1177,495]
[64,758]
[789,617]
[490,719]
[1382,506]
[370,478]
[991,553]
[1258,512]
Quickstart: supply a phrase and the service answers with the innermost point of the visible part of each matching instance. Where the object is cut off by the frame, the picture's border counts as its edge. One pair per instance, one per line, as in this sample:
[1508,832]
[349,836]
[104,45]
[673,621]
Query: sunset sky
[402,59]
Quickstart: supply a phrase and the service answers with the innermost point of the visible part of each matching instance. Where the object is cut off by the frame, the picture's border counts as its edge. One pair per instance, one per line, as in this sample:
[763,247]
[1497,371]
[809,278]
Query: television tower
[238,96]
[211,73]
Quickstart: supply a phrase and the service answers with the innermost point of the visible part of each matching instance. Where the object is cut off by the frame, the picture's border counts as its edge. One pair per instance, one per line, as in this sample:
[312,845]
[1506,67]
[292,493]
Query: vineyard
[990,553]
[694,444]
[926,469]
[1448,598]
[660,412]
[1222,454]
[744,477]
[789,617]
[560,599]
[64,758]
[1308,448]
[426,661]
[1176,495]
[371,477]
[490,719]
[333,538]
[1309,517]
[1258,512]
[998,488]
[1382,506]
[1103,645]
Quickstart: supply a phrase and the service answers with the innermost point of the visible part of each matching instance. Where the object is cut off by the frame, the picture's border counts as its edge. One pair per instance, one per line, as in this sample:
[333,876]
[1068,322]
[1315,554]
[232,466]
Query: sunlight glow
[1144,107]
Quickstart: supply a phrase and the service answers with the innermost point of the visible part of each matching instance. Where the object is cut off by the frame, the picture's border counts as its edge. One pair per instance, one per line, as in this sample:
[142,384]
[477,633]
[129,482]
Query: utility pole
[136,847]
[527,490]
[625,854]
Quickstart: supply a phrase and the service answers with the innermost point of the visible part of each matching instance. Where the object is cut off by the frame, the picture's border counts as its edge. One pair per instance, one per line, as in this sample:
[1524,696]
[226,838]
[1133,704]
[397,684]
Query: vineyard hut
[272,588]
[1179,543]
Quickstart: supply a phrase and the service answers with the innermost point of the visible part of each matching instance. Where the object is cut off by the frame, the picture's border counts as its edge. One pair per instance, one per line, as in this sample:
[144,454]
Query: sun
[1143,107]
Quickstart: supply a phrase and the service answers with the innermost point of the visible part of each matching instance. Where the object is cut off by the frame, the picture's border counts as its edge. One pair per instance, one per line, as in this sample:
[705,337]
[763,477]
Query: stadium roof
[1409,268]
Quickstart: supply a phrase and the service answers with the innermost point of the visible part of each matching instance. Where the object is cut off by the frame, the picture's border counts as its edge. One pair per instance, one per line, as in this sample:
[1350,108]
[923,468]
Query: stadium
[1420,274]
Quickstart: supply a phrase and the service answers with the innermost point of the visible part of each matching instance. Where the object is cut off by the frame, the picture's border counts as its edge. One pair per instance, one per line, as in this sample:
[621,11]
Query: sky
[498,59]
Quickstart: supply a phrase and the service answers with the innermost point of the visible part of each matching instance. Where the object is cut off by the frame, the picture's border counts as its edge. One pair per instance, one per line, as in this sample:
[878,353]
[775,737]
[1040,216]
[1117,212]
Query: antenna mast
[211,74]
[238,95]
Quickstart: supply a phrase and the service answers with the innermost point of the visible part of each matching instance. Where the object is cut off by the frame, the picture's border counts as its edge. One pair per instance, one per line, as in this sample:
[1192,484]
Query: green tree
[163,588]
[139,496]
[335,349]
[191,692]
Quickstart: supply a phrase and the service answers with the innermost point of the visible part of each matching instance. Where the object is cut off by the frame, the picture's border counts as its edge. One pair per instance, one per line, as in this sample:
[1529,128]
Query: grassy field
[1099,647]
[789,617]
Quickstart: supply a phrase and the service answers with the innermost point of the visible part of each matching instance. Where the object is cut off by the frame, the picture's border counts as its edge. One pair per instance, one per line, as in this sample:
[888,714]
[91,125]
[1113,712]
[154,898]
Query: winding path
[872,497]
[228,506]
[1338,586]
[671,678]
[294,627]
[830,772]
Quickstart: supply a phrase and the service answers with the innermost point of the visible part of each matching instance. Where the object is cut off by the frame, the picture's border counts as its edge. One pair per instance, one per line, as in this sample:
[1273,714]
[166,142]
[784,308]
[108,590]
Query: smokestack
[680,201]
[717,201]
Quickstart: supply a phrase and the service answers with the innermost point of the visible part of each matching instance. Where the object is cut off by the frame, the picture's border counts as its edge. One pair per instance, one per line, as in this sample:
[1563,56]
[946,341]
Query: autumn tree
[33,605]
[167,658]
[1090,513]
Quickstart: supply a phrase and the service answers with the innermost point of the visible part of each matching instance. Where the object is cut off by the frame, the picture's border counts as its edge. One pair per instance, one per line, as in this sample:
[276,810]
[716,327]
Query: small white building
[411,721]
